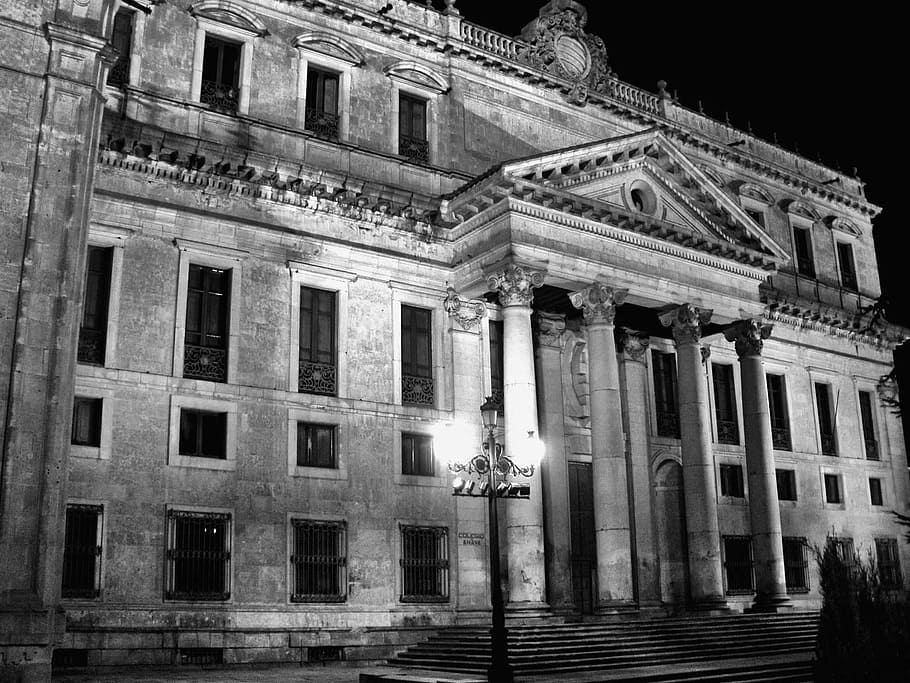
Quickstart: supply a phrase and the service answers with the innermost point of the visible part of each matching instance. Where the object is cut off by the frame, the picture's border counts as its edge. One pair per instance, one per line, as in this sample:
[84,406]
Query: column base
[709,606]
[770,604]
[521,613]
[618,608]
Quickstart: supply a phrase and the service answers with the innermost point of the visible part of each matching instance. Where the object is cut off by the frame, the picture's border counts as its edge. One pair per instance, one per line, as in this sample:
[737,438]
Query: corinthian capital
[633,344]
[598,302]
[466,312]
[748,337]
[550,327]
[686,321]
[516,284]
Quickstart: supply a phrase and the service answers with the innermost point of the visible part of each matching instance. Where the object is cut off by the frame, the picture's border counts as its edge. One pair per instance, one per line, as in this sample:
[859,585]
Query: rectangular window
[319,563]
[198,556]
[416,356]
[86,421]
[805,263]
[417,455]
[843,550]
[322,103]
[315,445]
[865,411]
[825,418]
[889,568]
[738,564]
[122,40]
[847,266]
[875,491]
[424,564]
[833,493]
[82,552]
[777,406]
[412,128]
[208,301]
[731,481]
[221,74]
[796,565]
[317,371]
[786,484]
[725,404]
[203,434]
[665,395]
[93,331]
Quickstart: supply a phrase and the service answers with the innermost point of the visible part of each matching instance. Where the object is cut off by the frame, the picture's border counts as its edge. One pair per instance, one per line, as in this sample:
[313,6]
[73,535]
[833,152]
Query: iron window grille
[122,40]
[805,263]
[198,556]
[205,350]
[777,407]
[424,564]
[322,103]
[416,357]
[665,393]
[417,455]
[833,493]
[319,562]
[875,491]
[738,564]
[888,561]
[865,409]
[93,330]
[796,565]
[412,128]
[786,484]
[497,364]
[825,419]
[82,552]
[847,266]
[842,547]
[317,372]
[725,404]
[203,434]
[731,481]
[315,445]
[221,75]
[86,429]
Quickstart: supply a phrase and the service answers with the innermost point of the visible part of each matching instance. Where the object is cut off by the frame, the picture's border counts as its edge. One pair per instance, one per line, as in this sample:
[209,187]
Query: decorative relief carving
[633,344]
[516,284]
[550,328]
[748,336]
[705,354]
[466,312]
[598,302]
[686,322]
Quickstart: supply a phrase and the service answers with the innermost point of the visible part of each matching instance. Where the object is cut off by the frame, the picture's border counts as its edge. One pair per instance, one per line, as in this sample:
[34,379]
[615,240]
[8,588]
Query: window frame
[295,598]
[838,245]
[738,591]
[656,413]
[114,238]
[831,475]
[229,408]
[343,59]
[805,225]
[894,546]
[872,491]
[171,514]
[414,437]
[90,387]
[226,32]
[99,563]
[444,562]
[803,564]
[317,415]
[875,425]
[792,478]
[724,483]
[732,397]
[785,409]
[315,327]
[312,426]
[431,98]
[415,295]
[825,413]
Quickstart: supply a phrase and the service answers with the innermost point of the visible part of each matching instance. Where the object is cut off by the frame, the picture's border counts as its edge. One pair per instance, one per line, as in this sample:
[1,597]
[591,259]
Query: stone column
[644,542]
[705,567]
[554,468]
[608,454]
[524,518]
[764,511]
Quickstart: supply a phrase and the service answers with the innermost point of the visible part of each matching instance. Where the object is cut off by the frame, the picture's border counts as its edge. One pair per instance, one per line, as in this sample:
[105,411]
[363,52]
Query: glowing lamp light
[449,439]
[531,451]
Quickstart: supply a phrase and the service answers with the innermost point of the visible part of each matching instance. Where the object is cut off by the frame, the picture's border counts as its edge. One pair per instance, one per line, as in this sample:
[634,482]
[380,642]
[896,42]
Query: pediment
[230,14]
[329,45]
[416,74]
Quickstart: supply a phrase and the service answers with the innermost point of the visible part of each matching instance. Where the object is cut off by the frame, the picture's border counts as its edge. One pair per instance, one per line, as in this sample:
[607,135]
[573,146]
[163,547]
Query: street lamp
[492,468]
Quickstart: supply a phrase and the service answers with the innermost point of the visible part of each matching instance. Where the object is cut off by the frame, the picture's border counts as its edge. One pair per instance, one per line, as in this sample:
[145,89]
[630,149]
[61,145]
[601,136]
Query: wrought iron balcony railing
[414,149]
[204,362]
[218,96]
[324,124]
[417,390]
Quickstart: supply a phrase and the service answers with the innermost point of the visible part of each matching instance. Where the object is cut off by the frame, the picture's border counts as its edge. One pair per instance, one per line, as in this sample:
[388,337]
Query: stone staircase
[751,647]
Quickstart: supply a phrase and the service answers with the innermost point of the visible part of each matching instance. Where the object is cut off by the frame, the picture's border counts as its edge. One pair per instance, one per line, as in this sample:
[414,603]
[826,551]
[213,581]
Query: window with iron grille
[319,562]
[86,421]
[843,550]
[417,455]
[322,103]
[424,564]
[738,564]
[203,434]
[412,128]
[889,567]
[796,564]
[221,74]
[82,552]
[122,40]
[93,331]
[497,364]
[198,555]
[315,445]
[786,484]
[731,481]
[777,407]
[825,418]
[205,346]
[802,241]
[665,394]
[875,491]
[847,266]
[317,371]
[416,356]
[865,411]
[833,493]
[725,404]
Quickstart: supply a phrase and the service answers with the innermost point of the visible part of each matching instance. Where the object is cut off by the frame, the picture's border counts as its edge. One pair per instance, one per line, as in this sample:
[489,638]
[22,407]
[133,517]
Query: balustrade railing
[317,378]
[417,390]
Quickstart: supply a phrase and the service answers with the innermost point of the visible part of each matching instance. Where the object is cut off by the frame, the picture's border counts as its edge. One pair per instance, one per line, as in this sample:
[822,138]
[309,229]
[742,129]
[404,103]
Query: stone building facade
[261,253]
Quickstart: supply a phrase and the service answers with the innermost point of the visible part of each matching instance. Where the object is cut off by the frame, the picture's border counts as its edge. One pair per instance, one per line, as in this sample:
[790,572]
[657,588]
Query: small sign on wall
[471,539]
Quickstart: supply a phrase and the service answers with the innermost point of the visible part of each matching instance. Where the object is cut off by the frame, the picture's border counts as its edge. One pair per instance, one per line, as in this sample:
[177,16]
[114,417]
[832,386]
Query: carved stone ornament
[466,312]
[550,327]
[686,321]
[705,354]
[633,344]
[748,337]
[557,43]
[598,302]
[515,285]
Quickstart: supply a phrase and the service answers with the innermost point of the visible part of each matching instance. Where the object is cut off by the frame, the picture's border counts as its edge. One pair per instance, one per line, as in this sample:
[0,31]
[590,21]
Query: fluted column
[644,539]
[764,512]
[524,519]
[608,457]
[705,567]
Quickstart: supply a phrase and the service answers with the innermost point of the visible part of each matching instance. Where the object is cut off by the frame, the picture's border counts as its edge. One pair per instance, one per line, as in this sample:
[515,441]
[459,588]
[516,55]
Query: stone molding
[516,284]
[633,344]
[686,322]
[598,302]
[550,328]
[466,312]
[748,337]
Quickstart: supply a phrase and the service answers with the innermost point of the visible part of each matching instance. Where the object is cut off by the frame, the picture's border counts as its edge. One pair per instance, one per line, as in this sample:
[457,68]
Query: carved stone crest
[748,337]
[550,327]
[466,312]
[516,285]
[633,343]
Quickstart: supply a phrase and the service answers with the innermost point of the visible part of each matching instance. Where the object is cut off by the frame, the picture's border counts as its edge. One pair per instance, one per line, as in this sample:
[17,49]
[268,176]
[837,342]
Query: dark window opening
[199,556]
[82,552]
[322,103]
[417,455]
[638,200]
[416,357]
[205,349]
[888,561]
[731,481]
[665,394]
[203,434]
[315,445]
[786,484]
[497,382]
[221,75]
[825,419]
[317,372]
[86,421]
[865,409]
[122,40]
[757,216]
[424,564]
[725,404]
[738,564]
[93,331]
[805,263]
[833,492]
[875,491]
[843,549]
[68,658]
[777,407]
[319,561]
[847,266]
[412,128]
[796,565]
